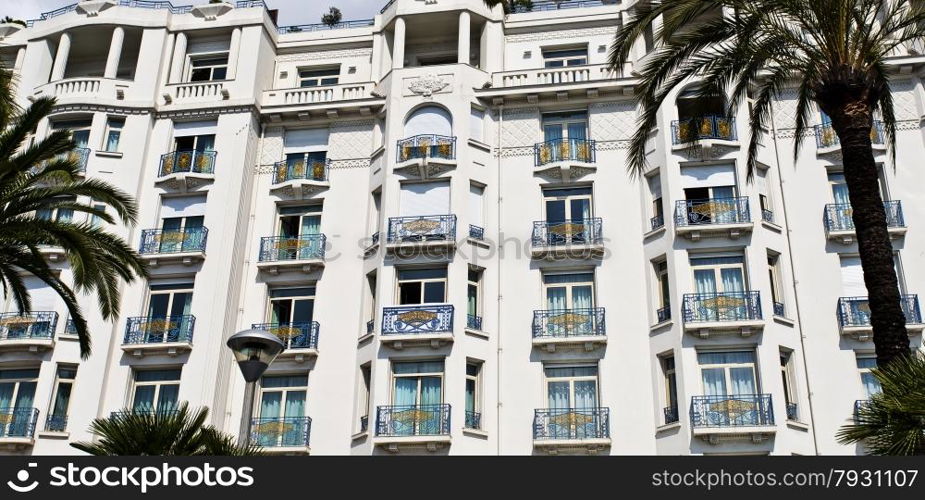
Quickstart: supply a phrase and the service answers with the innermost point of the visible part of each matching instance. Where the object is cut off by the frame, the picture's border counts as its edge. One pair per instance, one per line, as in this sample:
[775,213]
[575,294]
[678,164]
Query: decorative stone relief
[272,150]
[427,85]
[521,126]
[612,120]
[549,35]
[325,54]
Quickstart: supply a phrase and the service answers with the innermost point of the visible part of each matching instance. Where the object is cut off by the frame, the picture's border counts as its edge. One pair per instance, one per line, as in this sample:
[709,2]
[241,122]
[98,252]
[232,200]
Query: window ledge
[359,435]
[664,324]
[784,321]
[475,433]
[800,426]
[54,435]
[479,145]
[109,154]
[365,337]
[476,333]
[653,233]
[68,336]
[667,427]
[772,226]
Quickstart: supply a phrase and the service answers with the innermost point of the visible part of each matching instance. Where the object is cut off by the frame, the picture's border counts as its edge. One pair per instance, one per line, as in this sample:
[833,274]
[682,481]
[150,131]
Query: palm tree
[834,51]
[511,5]
[175,433]
[892,422]
[38,178]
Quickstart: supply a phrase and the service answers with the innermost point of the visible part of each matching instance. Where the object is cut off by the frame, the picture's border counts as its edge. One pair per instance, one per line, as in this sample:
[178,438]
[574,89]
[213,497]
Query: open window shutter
[477,124]
[305,140]
[852,277]
[205,45]
[432,198]
[761,176]
[476,194]
[186,206]
[708,176]
[187,129]
[655,187]
[429,120]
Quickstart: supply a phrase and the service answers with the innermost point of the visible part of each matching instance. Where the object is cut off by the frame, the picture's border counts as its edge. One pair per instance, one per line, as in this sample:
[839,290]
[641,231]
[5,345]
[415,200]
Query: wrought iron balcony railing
[426,146]
[144,330]
[732,411]
[827,138]
[417,320]
[286,248]
[422,228]
[859,407]
[294,335]
[722,306]
[712,211]
[413,420]
[855,311]
[706,127]
[158,241]
[671,414]
[39,325]
[657,222]
[195,162]
[303,28]
[473,420]
[305,168]
[792,412]
[571,423]
[374,239]
[281,432]
[564,323]
[779,309]
[364,423]
[79,156]
[18,422]
[473,322]
[370,326]
[838,216]
[663,314]
[556,150]
[56,423]
[70,328]
[767,215]
[575,232]
[476,232]
[168,410]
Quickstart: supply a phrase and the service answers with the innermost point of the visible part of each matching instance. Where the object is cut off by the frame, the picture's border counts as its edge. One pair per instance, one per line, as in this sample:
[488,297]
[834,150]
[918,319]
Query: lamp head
[254,350]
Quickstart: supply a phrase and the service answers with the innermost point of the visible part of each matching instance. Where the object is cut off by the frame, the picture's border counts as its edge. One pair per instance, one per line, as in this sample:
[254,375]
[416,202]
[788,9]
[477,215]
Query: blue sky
[290,11]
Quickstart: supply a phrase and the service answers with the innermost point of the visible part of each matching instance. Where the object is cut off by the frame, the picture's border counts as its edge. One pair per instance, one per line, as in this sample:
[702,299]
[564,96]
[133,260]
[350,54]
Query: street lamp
[254,350]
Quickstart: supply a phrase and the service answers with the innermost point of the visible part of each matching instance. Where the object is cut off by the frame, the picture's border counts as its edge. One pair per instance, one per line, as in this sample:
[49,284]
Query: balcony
[282,435]
[301,339]
[419,324]
[87,89]
[17,427]
[473,420]
[170,335]
[425,156]
[854,316]
[196,93]
[577,238]
[839,224]
[713,217]
[576,328]
[292,253]
[473,323]
[476,233]
[565,159]
[185,246]
[327,100]
[734,417]
[420,232]
[707,314]
[185,171]
[556,429]
[827,139]
[671,414]
[792,413]
[859,406]
[704,132]
[29,332]
[413,426]
[300,178]
[56,423]
[562,82]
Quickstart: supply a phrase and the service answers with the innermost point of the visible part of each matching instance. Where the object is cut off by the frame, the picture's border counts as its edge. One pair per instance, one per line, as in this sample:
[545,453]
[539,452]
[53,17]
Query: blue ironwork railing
[70,328]
[838,216]
[712,211]
[144,330]
[574,232]
[855,311]
[422,228]
[246,4]
[564,323]
[426,145]
[56,423]
[706,127]
[859,407]
[826,137]
[295,335]
[417,320]
[413,420]
[197,162]
[657,222]
[302,28]
[34,325]
[732,411]
[370,326]
[767,215]
[155,4]
[779,309]
[305,168]
[473,420]
[544,5]
[18,422]
[374,239]
[79,156]
[364,423]
[571,423]
[476,232]
[167,410]
[663,314]
[281,432]
[792,412]
[722,306]
[473,322]
[555,150]
[158,241]
[284,248]
[671,414]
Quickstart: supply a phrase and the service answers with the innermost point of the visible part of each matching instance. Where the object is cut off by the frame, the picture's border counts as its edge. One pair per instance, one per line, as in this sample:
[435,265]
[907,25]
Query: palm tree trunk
[874,246]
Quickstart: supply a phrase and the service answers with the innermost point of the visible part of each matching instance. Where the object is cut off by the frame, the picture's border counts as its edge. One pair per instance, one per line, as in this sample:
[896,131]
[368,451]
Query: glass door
[569,304]
[573,402]
[181,234]
[720,287]
[421,286]
[568,216]
[282,407]
[417,396]
[564,136]
[297,229]
[726,376]
[17,397]
[292,311]
[168,312]
[156,391]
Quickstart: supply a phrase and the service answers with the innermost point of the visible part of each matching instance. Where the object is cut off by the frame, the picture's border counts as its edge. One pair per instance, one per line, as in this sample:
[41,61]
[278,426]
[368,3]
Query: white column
[179,58]
[398,53]
[20,57]
[464,34]
[61,55]
[115,53]
[234,49]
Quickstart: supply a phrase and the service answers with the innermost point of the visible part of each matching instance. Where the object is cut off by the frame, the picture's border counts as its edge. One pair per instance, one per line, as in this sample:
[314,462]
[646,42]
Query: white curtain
[429,120]
[429,198]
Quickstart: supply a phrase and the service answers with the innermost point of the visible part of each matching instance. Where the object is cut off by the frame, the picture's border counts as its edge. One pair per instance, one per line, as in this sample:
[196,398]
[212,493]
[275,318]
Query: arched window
[429,120]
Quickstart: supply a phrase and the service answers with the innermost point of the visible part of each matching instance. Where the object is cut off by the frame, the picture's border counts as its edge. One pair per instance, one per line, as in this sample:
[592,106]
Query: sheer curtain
[167,399]
[311,224]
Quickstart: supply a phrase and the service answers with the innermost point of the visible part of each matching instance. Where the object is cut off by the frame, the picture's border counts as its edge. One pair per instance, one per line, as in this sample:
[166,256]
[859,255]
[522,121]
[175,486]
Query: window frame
[55,394]
[420,376]
[476,384]
[727,368]
[444,279]
[111,128]
[566,56]
[572,379]
[206,56]
[284,390]
[271,300]
[569,286]
[158,385]
[323,80]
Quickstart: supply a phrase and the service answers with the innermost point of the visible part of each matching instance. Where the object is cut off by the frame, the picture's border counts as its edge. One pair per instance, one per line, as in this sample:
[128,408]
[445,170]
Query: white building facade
[431,208]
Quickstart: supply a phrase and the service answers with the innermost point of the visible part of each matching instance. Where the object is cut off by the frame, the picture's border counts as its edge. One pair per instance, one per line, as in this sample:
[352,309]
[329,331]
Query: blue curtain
[714,381]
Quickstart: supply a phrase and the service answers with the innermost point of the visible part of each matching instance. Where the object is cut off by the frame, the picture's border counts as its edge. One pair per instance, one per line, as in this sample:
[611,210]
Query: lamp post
[254,350]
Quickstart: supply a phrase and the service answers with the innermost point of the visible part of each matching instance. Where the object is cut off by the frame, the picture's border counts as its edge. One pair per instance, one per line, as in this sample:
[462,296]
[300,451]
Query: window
[473,394]
[292,306]
[57,214]
[571,125]
[198,143]
[316,77]
[718,274]
[776,290]
[417,383]
[569,214]
[209,68]
[365,379]
[80,131]
[371,281]
[424,199]
[473,300]
[61,399]
[476,202]
[870,383]
[299,227]
[787,377]
[477,124]
[282,408]
[728,373]
[156,390]
[571,387]
[168,311]
[664,291]
[557,58]
[17,388]
[767,208]
[655,194]
[113,134]
[569,291]
[421,286]
[671,389]
[96,220]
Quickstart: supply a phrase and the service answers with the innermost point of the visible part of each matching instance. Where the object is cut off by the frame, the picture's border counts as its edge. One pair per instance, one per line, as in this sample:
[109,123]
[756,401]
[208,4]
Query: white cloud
[290,11]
